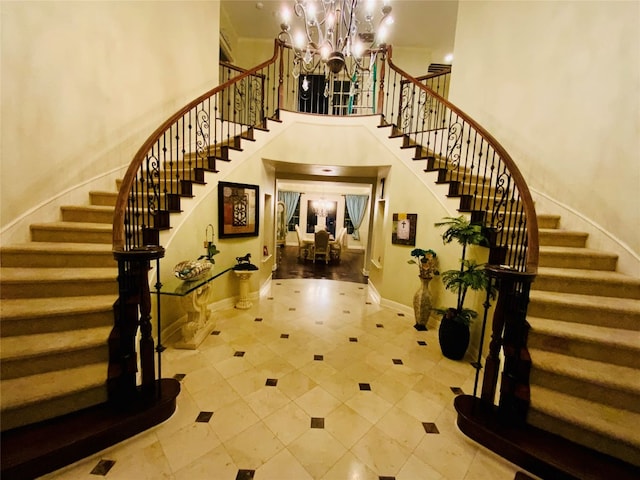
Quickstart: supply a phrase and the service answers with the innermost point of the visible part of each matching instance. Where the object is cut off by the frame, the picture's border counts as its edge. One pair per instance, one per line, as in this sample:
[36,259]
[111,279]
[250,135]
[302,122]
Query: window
[347,221]
[295,220]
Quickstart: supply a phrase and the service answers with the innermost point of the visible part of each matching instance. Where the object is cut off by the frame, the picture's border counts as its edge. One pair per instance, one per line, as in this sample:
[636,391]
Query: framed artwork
[404,228]
[238,213]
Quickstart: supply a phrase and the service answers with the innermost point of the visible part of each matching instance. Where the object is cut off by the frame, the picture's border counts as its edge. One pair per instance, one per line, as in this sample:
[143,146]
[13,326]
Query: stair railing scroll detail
[493,192]
[199,137]
[164,169]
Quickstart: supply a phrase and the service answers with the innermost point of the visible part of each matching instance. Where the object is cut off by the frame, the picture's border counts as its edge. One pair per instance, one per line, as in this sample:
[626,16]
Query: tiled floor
[313,382]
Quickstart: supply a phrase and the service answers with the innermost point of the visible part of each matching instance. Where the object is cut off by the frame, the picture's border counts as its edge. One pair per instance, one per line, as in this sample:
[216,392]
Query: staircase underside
[537,451]
[34,450]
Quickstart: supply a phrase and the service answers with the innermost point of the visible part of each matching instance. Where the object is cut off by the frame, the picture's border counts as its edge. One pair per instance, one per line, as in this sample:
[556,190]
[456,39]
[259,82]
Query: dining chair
[321,245]
[335,247]
[303,246]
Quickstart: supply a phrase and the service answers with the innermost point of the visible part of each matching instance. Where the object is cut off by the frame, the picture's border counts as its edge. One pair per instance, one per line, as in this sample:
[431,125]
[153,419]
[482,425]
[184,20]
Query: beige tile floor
[353,396]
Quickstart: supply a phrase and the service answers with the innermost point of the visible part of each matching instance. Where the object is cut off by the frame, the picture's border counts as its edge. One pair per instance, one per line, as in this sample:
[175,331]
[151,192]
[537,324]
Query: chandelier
[321,208]
[334,30]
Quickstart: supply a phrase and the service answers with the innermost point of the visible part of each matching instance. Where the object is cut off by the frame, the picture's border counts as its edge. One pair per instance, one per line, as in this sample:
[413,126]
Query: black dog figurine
[245,259]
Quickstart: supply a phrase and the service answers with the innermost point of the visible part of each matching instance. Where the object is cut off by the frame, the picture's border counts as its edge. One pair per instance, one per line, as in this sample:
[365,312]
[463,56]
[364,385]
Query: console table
[195,297]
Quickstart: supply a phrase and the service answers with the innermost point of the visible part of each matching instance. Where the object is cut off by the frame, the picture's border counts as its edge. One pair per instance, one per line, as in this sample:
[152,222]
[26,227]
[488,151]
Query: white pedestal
[244,276]
[200,322]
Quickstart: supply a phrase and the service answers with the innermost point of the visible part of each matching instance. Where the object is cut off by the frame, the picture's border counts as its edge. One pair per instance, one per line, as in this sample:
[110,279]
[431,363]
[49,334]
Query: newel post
[132,310]
[509,331]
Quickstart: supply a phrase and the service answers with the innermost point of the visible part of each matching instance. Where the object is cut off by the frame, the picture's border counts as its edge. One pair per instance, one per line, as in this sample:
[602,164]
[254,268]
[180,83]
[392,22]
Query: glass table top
[180,288]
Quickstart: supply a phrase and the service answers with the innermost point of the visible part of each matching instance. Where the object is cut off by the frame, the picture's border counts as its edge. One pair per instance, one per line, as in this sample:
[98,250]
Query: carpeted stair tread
[100,227]
[565,238]
[88,213]
[27,346]
[613,337]
[35,274]
[57,255]
[19,309]
[551,256]
[548,221]
[58,248]
[19,392]
[606,305]
[614,423]
[592,371]
[591,280]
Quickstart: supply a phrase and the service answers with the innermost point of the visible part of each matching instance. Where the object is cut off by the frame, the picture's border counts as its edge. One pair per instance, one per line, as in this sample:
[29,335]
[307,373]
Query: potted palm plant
[453,333]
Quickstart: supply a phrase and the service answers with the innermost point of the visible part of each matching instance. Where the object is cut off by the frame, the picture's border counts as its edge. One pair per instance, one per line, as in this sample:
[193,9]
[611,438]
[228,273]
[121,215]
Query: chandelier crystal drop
[332,31]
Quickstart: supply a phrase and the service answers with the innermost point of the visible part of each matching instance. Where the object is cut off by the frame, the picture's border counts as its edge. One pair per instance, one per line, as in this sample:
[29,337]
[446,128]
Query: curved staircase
[57,296]
[584,344]
[58,291]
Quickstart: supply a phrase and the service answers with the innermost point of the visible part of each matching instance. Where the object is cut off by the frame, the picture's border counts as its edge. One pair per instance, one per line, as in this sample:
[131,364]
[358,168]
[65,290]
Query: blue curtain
[290,200]
[356,205]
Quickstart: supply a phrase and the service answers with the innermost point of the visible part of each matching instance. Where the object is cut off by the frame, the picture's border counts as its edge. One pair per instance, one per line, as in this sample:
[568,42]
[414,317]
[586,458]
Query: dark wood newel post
[509,331]
[132,310]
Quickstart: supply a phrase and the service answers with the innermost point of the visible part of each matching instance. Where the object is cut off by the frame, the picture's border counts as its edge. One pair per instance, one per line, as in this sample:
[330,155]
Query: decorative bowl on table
[192,270]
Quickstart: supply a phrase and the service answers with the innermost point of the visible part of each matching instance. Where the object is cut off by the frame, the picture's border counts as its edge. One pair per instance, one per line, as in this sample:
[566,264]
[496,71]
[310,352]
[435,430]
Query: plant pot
[453,337]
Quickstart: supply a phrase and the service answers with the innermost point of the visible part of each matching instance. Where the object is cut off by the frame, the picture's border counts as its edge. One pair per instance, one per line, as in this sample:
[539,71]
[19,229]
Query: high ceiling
[417,23]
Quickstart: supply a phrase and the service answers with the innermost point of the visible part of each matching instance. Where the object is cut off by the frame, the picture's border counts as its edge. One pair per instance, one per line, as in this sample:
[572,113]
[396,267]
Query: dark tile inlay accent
[368,303]
[360,288]
[430,427]
[317,422]
[401,314]
[342,293]
[292,309]
[379,325]
[346,311]
[215,332]
[238,354]
[271,382]
[318,357]
[103,467]
[296,291]
[319,322]
[278,283]
[353,339]
[269,298]
[397,361]
[457,390]
[204,417]
[258,319]
[364,386]
[180,376]
[245,474]
[422,343]
[385,477]
[284,335]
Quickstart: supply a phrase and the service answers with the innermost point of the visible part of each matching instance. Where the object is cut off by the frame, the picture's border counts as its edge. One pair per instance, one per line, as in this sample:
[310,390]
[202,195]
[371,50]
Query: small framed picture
[238,206]
[404,228]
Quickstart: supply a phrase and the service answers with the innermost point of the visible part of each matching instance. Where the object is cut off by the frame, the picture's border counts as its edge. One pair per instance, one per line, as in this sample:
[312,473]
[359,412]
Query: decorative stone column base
[200,323]
[244,276]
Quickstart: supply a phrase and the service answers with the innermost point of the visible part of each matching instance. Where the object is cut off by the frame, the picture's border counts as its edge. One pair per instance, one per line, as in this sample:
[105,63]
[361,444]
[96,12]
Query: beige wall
[84,83]
[558,84]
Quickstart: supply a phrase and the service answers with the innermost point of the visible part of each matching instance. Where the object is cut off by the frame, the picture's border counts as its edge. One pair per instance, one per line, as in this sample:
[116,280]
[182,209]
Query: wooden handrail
[230,66]
[523,189]
[434,74]
[136,163]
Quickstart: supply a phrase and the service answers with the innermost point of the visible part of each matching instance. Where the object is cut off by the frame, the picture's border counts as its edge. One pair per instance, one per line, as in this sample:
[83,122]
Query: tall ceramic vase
[422,304]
